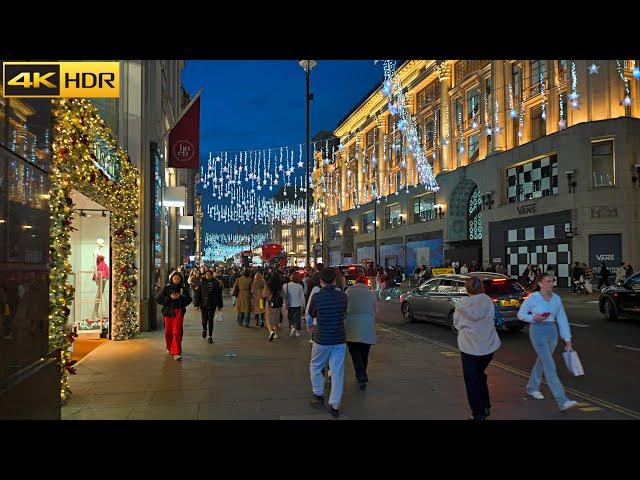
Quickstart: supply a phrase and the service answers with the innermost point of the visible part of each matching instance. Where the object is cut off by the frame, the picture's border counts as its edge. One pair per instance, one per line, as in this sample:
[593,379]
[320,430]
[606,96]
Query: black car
[436,298]
[621,300]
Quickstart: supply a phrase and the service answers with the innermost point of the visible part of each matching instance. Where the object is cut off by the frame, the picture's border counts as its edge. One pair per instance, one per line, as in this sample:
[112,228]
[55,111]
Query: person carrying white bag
[543,309]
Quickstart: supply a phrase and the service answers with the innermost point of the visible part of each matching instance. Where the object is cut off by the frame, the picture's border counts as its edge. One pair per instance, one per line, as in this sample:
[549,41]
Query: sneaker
[310,341]
[537,395]
[177,357]
[317,402]
[292,332]
[275,335]
[297,333]
[272,336]
[210,340]
[204,334]
[567,405]
[335,413]
[363,385]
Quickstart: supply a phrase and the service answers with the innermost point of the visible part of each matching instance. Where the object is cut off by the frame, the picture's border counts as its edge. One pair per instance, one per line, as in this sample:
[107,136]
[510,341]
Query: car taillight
[499,280]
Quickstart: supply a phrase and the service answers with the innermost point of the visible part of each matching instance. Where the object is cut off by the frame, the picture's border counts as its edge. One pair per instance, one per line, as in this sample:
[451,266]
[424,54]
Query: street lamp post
[307,66]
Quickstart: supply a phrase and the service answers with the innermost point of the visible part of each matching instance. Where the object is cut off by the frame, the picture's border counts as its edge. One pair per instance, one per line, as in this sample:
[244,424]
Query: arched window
[475,215]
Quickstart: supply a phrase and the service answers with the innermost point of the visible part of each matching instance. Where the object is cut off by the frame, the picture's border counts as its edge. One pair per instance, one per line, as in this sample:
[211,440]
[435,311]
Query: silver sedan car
[435,299]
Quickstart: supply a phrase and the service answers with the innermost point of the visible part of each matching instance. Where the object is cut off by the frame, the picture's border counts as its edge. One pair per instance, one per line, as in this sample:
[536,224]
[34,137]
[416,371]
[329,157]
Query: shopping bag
[219,316]
[498,318]
[572,360]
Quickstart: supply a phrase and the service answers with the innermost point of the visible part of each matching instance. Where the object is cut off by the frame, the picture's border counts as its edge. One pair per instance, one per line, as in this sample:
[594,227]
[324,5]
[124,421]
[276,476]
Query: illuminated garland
[77,125]
[397,105]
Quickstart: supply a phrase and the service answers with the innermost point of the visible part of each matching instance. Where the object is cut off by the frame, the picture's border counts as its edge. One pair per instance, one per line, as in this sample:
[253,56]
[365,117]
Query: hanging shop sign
[184,139]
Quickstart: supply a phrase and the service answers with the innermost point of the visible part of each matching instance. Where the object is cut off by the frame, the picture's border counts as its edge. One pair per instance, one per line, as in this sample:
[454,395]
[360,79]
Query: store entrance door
[90,260]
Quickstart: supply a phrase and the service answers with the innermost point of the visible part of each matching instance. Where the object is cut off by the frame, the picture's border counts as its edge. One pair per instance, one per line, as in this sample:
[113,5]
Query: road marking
[591,409]
[516,371]
[450,354]
[628,348]
[593,301]
[578,325]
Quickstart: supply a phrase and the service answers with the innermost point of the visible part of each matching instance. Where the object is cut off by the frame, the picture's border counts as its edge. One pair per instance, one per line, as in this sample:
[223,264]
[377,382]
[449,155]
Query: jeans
[544,338]
[473,367]
[244,318]
[295,317]
[320,355]
[259,318]
[360,356]
[207,319]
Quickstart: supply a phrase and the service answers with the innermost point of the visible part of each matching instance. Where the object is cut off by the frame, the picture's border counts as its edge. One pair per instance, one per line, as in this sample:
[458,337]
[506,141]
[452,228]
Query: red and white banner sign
[184,139]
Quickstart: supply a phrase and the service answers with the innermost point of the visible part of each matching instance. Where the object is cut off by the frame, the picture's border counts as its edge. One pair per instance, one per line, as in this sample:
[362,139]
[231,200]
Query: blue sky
[249,104]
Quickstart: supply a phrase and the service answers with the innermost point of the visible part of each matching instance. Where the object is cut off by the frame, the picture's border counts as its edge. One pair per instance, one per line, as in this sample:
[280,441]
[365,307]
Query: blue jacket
[328,306]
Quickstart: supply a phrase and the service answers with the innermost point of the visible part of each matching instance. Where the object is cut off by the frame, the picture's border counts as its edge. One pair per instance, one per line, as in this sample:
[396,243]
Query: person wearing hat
[360,326]
[174,300]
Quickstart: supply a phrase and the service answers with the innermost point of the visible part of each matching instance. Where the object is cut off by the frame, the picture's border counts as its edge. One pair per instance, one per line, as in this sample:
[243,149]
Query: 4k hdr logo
[61,79]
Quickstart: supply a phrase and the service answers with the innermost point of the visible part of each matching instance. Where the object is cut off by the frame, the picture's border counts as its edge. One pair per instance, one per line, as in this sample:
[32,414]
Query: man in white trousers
[328,307]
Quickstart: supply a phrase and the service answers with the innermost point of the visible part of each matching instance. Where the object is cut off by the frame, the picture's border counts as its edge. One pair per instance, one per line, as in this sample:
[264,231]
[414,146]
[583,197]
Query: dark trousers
[259,318]
[360,356]
[473,367]
[295,317]
[207,319]
[604,280]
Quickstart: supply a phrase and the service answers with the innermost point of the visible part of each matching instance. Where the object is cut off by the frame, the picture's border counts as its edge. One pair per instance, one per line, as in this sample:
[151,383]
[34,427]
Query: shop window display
[90,262]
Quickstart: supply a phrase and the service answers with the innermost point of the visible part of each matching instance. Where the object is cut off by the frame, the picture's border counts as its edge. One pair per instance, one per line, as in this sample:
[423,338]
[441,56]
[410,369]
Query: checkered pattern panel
[535,179]
[546,246]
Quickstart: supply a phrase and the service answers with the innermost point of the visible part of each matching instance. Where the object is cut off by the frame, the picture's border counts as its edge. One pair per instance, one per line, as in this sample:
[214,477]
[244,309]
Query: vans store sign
[527,209]
[61,79]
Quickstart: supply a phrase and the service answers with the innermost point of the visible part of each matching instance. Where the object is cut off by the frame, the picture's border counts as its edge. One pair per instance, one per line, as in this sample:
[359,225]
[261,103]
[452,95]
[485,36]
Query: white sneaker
[537,395]
[297,333]
[292,332]
[276,336]
[567,405]
[177,357]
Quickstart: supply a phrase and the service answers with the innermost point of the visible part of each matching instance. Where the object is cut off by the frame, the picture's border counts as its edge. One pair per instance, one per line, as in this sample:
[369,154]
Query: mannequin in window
[101,276]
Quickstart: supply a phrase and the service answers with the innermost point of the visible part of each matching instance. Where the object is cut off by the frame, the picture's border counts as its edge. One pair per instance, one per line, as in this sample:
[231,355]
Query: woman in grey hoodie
[474,318]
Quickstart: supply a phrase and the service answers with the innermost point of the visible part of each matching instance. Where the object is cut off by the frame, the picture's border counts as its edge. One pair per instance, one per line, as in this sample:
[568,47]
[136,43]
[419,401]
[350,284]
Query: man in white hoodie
[474,318]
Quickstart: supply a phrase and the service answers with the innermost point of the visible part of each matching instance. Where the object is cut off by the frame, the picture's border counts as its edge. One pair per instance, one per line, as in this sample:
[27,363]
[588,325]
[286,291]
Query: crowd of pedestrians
[340,319]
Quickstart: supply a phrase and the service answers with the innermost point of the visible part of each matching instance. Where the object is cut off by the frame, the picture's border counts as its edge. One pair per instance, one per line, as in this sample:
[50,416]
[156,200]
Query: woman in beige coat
[256,298]
[243,300]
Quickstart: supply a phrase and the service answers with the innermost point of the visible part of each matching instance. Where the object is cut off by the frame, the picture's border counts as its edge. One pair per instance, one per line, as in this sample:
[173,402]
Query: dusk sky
[259,104]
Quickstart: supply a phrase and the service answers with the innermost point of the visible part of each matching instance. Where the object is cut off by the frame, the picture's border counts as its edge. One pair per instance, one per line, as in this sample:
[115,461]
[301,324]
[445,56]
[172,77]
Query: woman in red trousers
[174,300]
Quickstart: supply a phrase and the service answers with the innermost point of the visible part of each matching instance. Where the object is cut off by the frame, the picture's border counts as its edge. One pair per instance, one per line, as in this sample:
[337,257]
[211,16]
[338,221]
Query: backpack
[276,301]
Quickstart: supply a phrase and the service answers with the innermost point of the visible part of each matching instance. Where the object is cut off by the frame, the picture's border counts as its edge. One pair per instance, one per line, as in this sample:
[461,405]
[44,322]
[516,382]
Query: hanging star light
[593,69]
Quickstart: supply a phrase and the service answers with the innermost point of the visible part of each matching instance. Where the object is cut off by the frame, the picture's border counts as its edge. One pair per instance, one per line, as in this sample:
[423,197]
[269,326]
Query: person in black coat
[209,297]
[604,276]
[174,299]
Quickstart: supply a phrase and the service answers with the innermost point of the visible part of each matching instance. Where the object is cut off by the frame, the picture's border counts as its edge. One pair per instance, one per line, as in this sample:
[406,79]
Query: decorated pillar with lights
[344,194]
[552,97]
[578,109]
[499,96]
[446,124]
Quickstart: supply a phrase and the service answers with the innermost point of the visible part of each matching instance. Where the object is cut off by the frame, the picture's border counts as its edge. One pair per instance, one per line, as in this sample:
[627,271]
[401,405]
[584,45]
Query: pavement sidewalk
[409,379]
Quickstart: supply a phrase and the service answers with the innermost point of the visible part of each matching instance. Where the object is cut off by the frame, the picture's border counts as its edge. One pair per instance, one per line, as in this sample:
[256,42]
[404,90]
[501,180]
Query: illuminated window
[393,214]
[535,179]
[474,148]
[367,222]
[602,163]
[423,208]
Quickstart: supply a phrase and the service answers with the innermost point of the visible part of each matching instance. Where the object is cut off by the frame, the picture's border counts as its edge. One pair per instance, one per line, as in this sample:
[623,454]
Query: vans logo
[606,257]
[527,209]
